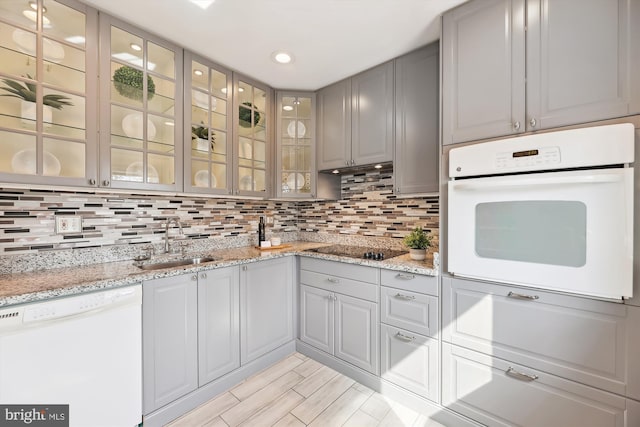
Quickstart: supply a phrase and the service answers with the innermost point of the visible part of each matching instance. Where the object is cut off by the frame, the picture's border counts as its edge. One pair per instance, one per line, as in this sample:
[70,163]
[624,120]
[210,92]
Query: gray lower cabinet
[218,323]
[266,307]
[339,310]
[576,56]
[170,340]
[417,129]
[496,392]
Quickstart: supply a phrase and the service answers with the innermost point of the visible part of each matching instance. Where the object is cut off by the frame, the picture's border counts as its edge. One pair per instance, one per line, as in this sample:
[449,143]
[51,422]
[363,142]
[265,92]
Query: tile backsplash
[115,222]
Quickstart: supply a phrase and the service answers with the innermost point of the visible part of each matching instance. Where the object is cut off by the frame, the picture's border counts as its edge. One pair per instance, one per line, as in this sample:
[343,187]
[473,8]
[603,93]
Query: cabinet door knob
[244,268]
[106,183]
[203,275]
[194,278]
[335,297]
[92,181]
[516,125]
[333,280]
[353,162]
[533,122]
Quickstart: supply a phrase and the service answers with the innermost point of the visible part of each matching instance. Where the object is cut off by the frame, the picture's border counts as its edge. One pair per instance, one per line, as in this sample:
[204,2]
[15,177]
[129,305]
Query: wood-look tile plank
[217,422]
[206,412]
[289,421]
[399,416]
[322,398]
[265,377]
[301,356]
[377,406]
[314,381]
[361,419]
[308,367]
[424,421]
[254,403]
[271,413]
[363,389]
[340,410]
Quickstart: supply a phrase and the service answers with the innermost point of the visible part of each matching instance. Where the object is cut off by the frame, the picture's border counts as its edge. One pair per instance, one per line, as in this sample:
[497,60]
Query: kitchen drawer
[409,310]
[585,340]
[340,285]
[340,269]
[409,360]
[500,393]
[410,282]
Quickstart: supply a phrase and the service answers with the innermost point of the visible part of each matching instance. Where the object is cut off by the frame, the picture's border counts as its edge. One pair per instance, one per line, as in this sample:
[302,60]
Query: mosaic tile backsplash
[115,226]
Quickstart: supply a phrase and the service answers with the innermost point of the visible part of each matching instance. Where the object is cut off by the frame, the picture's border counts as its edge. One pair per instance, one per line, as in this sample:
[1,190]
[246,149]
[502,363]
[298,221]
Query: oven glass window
[541,231]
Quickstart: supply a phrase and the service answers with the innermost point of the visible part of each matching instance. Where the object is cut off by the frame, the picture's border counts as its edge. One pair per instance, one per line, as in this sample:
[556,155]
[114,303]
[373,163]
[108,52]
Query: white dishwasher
[84,351]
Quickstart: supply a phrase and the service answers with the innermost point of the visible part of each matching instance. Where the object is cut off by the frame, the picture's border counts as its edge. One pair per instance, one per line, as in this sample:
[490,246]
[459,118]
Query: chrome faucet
[167,223]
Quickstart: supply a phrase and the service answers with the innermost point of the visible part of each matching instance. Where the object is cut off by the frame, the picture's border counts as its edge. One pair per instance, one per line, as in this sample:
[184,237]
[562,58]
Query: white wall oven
[552,211]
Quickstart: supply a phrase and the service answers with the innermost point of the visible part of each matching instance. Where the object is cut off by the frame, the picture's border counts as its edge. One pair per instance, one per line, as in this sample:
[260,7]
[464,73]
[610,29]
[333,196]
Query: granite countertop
[36,286]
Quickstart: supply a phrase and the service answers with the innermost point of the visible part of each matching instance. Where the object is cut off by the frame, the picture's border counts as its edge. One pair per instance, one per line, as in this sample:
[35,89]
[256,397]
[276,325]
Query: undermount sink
[175,263]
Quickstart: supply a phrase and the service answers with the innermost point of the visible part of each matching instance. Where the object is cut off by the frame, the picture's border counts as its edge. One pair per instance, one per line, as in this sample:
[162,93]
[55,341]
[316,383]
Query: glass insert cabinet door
[252,143]
[47,58]
[207,126]
[141,109]
[295,130]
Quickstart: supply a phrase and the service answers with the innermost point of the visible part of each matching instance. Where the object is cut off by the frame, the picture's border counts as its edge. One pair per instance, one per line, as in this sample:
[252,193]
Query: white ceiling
[329,39]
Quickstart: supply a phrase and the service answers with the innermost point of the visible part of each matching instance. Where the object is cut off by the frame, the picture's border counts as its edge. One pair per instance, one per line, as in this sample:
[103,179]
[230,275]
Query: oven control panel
[539,157]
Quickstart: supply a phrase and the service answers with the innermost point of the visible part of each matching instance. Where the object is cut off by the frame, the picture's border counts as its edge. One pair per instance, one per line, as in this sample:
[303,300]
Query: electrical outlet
[68,224]
[269,220]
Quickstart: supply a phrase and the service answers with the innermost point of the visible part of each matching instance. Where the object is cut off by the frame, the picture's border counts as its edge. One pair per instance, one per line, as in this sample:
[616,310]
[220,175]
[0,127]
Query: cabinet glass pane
[199,75]
[260,181]
[64,114]
[128,166]
[164,167]
[68,73]
[17,51]
[246,181]
[163,139]
[295,119]
[65,23]
[19,153]
[219,170]
[288,107]
[127,86]
[259,99]
[161,60]
[245,93]
[220,147]
[126,47]
[219,121]
[219,105]
[127,127]
[219,84]
[12,10]
[162,100]
[16,112]
[71,157]
[200,175]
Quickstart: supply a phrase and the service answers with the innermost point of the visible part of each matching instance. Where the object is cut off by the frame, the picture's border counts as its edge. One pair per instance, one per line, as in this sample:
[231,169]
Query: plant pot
[28,113]
[418,254]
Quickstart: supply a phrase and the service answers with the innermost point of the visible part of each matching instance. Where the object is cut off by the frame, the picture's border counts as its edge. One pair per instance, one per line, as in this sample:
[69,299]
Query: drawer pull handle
[333,280]
[405,276]
[522,296]
[404,337]
[520,375]
[405,297]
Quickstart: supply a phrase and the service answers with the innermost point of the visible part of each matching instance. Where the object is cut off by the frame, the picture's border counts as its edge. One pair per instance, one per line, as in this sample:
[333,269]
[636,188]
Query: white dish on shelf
[132,125]
[24,162]
[135,172]
[201,99]
[295,181]
[291,129]
[200,179]
[247,184]
[26,42]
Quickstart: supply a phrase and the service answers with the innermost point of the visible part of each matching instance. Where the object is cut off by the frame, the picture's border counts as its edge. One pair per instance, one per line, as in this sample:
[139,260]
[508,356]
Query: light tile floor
[298,391]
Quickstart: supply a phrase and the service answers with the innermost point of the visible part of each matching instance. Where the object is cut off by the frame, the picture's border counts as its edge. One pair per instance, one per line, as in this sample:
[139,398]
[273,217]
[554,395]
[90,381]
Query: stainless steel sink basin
[175,263]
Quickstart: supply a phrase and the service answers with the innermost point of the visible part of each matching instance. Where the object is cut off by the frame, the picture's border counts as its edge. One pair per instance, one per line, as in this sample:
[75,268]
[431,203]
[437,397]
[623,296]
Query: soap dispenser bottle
[261,231]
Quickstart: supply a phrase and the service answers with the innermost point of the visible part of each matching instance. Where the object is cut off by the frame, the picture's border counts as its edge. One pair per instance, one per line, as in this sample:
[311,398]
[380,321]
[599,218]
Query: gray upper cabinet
[266,307]
[355,120]
[334,125]
[218,323]
[417,96]
[170,341]
[483,86]
[578,58]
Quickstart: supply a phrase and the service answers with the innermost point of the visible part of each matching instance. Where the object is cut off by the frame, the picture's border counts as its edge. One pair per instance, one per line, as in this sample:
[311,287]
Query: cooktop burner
[358,252]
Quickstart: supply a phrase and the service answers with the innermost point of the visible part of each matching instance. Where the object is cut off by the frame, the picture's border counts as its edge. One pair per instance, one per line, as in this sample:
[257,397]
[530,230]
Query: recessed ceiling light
[240,89]
[135,47]
[197,72]
[287,108]
[282,57]
[34,5]
[378,166]
[203,4]
[335,171]
[223,90]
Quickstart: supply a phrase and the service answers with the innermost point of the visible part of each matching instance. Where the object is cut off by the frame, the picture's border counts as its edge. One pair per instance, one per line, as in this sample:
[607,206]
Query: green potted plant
[245,115]
[200,134]
[128,81]
[418,241]
[27,93]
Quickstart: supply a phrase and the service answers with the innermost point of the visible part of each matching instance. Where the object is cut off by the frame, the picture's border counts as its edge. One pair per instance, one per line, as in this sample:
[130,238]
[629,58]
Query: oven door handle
[482,184]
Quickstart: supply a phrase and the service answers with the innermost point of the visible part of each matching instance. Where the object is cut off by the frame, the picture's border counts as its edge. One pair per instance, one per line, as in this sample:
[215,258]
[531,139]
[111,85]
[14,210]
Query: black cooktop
[357,252]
